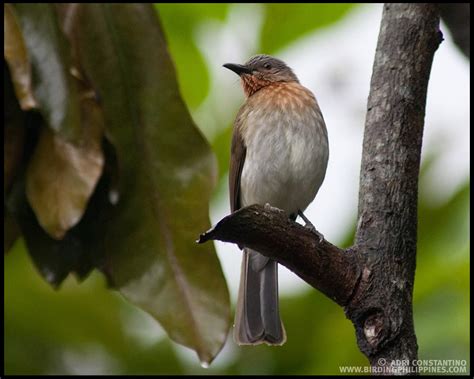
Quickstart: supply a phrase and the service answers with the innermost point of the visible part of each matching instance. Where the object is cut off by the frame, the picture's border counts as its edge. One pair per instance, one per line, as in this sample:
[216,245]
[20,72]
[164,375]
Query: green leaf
[17,58]
[166,178]
[284,23]
[53,85]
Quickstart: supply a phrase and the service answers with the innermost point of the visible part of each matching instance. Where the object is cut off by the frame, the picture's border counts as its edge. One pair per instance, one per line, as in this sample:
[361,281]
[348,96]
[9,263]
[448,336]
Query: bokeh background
[84,328]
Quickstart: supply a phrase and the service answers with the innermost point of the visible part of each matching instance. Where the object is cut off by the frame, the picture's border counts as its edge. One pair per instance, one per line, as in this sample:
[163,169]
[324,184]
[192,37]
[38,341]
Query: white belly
[286,161]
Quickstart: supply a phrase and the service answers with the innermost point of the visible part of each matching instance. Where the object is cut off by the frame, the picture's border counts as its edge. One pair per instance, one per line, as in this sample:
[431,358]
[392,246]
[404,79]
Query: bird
[279,156]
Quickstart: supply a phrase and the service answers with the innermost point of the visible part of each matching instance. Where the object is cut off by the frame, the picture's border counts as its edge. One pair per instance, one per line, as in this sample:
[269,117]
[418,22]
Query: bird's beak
[238,68]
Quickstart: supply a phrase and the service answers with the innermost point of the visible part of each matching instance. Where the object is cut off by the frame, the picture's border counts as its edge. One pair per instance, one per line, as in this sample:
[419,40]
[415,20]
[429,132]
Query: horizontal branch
[268,230]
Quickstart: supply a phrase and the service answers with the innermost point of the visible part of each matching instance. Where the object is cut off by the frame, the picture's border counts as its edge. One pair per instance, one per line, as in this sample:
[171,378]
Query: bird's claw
[310,226]
[313,230]
[268,207]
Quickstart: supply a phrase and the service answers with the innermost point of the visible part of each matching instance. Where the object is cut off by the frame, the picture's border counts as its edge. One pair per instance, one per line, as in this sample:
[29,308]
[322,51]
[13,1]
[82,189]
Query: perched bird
[279,156]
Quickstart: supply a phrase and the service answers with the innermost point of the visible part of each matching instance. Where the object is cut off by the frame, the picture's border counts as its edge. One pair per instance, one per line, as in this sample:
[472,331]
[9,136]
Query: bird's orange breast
[278,104]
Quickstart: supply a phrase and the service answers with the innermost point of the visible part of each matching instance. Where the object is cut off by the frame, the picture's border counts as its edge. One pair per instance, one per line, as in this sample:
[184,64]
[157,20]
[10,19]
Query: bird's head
[261,71]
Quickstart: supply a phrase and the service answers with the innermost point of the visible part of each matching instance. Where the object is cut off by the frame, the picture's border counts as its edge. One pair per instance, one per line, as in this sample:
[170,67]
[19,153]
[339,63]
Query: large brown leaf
[16,56]
[62,172]
[62,176]
[166,178]
[49,52]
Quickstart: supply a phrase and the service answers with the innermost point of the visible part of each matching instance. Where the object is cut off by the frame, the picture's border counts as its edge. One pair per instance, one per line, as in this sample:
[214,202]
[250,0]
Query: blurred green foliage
[86,328]
[179,22]
[43,326]
[284,24]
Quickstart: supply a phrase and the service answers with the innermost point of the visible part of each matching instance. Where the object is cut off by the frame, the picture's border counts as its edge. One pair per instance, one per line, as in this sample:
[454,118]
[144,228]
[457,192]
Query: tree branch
[387,227]
[269,231]
[373,279]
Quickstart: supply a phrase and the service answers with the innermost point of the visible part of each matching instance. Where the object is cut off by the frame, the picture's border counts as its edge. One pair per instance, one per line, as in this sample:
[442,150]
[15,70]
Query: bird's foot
[310,226]
[313,229]
[268,207]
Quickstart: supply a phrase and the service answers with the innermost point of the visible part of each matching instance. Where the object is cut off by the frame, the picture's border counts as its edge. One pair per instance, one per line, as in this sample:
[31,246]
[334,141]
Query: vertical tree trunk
[387,223]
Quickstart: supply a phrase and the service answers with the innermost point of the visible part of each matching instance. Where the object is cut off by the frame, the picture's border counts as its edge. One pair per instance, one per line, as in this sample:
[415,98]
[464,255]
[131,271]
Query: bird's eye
[267,66]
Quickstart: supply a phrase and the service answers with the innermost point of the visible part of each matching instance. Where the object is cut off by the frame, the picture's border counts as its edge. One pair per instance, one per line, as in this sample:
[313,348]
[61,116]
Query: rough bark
[457,17]
[387,224]
[333,271]
[373,279]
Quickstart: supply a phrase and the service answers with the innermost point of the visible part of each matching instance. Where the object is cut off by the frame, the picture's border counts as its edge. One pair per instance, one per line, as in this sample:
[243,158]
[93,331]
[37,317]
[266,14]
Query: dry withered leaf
[16,56]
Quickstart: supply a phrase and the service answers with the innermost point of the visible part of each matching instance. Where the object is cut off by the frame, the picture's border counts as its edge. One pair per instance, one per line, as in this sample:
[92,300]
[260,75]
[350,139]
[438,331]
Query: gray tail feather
[257,317]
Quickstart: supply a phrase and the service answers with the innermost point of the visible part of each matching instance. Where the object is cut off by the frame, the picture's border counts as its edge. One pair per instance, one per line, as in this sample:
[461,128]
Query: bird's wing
[237,159]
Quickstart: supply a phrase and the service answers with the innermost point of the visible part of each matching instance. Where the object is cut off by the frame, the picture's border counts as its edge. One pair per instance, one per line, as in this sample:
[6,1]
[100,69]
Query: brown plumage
[237,152]
[279,156]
